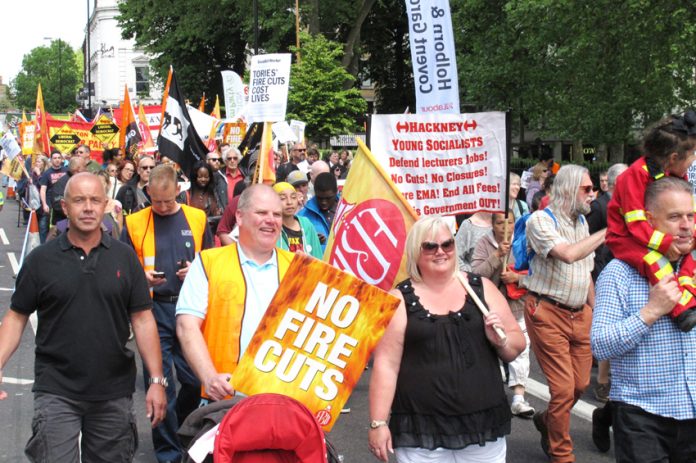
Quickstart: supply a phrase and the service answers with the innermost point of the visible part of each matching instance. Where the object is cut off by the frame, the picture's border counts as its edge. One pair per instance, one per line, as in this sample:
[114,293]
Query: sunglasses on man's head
[431,247]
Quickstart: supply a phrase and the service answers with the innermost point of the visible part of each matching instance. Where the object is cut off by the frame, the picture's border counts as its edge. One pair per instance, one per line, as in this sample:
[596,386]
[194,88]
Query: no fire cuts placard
[444,163]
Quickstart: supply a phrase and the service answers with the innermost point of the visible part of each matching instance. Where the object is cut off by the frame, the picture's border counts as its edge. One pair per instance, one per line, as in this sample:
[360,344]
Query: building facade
[115,62]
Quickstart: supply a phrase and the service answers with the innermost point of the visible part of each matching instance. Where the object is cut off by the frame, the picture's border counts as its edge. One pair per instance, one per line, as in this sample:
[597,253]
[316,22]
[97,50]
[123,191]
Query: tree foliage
[317,96]
[55,66]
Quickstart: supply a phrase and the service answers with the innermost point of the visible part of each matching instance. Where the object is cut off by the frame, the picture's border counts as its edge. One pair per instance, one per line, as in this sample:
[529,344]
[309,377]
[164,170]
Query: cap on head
[296,177]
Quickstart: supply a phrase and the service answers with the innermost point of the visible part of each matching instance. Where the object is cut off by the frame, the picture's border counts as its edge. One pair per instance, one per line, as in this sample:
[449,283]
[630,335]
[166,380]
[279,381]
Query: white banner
[433,56]
[283,132]
[233,89]
[268,87]
[444,163]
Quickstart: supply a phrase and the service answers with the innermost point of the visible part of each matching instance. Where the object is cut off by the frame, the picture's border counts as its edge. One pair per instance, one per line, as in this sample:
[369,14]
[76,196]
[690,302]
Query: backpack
[523,254]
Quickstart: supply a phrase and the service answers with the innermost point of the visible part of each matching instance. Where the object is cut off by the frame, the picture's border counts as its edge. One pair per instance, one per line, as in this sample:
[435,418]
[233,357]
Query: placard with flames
[315,338]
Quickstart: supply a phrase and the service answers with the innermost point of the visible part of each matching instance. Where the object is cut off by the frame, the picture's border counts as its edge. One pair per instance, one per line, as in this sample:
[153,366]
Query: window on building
[142,80]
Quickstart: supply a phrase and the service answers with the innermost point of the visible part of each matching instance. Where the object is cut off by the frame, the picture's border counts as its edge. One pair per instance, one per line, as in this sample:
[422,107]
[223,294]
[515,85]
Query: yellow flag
[41,142]
[216,108]
[368,235]
[265,165]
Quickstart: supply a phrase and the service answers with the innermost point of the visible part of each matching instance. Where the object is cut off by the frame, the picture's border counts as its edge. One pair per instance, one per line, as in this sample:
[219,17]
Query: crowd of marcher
[191,260]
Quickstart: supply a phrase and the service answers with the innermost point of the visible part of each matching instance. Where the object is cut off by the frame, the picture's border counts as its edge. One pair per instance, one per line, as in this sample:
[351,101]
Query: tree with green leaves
[58,69]
[317,95]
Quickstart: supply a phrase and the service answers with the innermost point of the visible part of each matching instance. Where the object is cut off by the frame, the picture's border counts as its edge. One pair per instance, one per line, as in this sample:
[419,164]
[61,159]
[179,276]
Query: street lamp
[60,71]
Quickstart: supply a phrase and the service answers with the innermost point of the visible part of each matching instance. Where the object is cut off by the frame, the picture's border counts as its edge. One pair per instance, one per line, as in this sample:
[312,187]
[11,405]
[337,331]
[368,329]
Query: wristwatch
[159,380]
[374,424]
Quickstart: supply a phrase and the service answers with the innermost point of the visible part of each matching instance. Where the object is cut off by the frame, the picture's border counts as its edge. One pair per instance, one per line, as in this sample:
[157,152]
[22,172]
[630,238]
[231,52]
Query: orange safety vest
[141,230]
[222,327]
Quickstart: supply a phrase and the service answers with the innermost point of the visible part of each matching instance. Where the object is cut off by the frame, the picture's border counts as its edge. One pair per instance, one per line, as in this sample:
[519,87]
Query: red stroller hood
[269,428]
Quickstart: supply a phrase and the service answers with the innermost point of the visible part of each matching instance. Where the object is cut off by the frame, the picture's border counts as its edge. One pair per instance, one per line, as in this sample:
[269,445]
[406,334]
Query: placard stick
[499,331]
[506,238]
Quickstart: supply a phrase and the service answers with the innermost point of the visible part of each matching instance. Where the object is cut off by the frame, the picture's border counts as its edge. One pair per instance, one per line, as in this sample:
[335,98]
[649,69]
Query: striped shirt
[652,367]
[565,283]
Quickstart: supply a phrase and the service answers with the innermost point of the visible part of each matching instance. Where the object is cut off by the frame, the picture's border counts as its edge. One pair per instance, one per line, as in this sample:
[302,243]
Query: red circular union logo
[323,417]
[370,241]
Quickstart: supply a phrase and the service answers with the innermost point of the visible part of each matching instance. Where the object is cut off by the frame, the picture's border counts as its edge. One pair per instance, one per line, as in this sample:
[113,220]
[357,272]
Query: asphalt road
[349,435]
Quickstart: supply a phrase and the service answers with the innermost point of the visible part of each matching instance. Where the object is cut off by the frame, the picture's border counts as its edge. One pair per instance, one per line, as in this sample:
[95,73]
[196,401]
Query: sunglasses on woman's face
[431,247]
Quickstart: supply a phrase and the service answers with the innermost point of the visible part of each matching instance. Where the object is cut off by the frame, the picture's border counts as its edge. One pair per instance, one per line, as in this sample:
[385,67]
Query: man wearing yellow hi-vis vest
[166,237]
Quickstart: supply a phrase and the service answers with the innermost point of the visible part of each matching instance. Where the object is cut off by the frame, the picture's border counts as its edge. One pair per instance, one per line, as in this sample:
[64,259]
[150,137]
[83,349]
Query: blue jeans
[164,438]
[44,225]
[108,429]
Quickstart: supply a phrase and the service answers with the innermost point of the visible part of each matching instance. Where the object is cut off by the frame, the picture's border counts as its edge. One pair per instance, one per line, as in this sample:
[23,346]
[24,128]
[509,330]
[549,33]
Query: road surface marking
[582,409]
[20,381]
[13,262]
[3,237]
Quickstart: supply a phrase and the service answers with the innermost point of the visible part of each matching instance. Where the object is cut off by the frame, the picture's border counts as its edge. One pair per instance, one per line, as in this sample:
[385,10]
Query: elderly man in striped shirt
[558,307]
[653,392]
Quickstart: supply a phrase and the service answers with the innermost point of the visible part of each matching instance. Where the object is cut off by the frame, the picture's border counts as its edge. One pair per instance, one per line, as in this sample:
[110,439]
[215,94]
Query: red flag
[368,235]
[147,144]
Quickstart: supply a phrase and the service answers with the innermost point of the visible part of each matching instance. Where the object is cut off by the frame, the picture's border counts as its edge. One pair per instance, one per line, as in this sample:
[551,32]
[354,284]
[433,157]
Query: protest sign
[8,142]
[433,56]
[27,137]
[14,168]
[233,133]
[268,87]
[104,129]
[315,338]
[64,139]
[284,133]
[299,128]
[444,163]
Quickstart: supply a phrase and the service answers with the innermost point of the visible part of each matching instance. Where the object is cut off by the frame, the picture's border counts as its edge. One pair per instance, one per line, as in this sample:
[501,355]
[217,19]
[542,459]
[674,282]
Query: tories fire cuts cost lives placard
[444,163]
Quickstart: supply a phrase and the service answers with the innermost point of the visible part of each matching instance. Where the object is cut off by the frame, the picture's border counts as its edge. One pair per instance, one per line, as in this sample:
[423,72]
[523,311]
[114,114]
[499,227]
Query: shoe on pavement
[540,425]
[600,432]
[686,320]
[522,409]
[601,392]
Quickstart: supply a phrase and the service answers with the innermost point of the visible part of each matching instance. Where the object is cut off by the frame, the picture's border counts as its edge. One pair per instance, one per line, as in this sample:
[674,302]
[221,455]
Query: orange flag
[165,94]
[212,144]
[41,142]
[265,165]
[368,235]
[216,108]
[201,105]
[147,144]
[129,135]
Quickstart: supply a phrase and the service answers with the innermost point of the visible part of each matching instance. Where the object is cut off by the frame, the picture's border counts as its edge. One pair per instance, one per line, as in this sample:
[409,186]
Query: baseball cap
[296,177]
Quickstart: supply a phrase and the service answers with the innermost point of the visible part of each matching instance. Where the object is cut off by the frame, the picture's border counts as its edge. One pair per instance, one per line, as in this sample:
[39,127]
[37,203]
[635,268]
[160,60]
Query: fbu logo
[369,242]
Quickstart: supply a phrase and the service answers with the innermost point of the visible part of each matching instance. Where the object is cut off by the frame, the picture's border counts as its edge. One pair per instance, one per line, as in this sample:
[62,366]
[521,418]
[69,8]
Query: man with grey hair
[226,178]
[558,305]
[297,155]
[652,400]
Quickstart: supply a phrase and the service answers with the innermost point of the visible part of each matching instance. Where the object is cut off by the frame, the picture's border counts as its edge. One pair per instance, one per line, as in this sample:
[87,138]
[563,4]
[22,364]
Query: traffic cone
[11,192]
[31,238]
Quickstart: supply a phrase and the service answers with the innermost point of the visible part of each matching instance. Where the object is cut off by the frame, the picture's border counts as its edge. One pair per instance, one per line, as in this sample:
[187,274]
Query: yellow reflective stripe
[656,240]
[634,216]
[685,297]
[663,272]
[686,281]
[645,167]
[659,176]
[652,257]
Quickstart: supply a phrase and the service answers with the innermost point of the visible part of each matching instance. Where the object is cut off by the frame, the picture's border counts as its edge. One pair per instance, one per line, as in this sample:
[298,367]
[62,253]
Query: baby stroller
[269,428]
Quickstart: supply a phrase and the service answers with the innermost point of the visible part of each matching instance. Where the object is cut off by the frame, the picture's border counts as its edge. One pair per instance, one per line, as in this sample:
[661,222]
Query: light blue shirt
[652,367]
[261,285]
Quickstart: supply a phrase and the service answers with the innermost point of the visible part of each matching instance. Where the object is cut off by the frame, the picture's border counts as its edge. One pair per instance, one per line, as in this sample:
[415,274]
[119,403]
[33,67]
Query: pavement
[349,435]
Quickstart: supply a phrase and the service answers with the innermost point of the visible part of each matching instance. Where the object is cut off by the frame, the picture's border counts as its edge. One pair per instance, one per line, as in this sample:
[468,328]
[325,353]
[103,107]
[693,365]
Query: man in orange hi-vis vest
[166,237]
[228,289]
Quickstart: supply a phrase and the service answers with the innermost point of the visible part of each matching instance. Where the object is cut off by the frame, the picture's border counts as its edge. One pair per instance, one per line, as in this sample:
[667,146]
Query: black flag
[177,138]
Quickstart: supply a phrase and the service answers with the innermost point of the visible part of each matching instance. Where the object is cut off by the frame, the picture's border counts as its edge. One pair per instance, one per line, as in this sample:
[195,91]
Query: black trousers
[641,437]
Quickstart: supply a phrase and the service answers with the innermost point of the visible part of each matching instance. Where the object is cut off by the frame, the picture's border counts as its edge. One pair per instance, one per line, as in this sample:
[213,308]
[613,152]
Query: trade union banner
[315,339]
[372,220]
[433,56]
[444,164]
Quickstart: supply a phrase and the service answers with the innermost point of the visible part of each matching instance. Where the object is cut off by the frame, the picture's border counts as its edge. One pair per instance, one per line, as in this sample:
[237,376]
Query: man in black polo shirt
[85,286]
